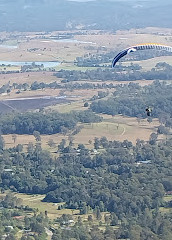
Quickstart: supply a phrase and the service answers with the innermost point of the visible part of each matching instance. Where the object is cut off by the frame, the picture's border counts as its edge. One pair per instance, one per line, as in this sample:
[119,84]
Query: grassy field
[35,202]
[50,50]
[68,107]
[29,78]
[150,63]
[168,198]
[71,66]
[32,49]
[114,128]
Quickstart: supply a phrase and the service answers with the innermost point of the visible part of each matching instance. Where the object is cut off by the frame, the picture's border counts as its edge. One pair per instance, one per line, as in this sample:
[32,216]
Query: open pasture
[35,202]
[113,128]
[32,48]
[150,63]
[68,107]
[26,139]
[27,77]
[44,50]
[126,38]
[117,128]
[167,198]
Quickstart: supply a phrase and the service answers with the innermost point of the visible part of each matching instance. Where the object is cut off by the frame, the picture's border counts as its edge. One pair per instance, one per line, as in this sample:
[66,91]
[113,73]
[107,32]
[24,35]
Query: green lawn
[71,66]
[35,201]
[66,108]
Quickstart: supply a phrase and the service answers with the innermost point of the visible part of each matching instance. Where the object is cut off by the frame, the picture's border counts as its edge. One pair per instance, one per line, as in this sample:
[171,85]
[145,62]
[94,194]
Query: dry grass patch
[164,210]
[26,139]
[23,95]
[35,202]
[124,38]
[27,77]
[150,63]
[68,107]
[167,198]
[116,128]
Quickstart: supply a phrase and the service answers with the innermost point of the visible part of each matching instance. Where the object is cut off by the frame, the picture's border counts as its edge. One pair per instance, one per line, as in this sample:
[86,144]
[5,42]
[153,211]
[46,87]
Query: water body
[72,41]
[69,40]
[48,97]
[8,46]
[46,64]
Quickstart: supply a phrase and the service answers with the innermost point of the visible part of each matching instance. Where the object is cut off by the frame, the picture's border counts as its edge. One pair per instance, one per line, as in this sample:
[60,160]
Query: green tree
[37,136]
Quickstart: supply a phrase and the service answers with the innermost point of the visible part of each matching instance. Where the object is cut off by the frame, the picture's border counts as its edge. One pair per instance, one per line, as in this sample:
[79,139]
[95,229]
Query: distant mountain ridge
[49,15]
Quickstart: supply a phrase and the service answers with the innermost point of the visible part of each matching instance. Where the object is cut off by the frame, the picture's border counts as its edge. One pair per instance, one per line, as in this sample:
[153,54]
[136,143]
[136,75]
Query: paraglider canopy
[140,47]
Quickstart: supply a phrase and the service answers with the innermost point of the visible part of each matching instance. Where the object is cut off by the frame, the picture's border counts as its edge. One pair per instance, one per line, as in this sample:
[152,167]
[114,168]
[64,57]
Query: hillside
[43,15]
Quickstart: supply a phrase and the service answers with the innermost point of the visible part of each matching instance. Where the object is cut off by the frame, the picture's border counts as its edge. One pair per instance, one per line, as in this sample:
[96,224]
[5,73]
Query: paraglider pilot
[149,111]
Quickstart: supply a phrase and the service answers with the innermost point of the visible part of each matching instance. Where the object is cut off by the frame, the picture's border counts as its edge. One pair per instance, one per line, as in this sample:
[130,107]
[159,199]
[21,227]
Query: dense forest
[99,59]
[44,123]
[162,71]
[131,100]
[126,180]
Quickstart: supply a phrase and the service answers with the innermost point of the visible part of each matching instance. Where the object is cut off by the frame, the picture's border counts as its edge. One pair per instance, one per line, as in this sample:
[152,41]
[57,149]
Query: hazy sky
[140,1]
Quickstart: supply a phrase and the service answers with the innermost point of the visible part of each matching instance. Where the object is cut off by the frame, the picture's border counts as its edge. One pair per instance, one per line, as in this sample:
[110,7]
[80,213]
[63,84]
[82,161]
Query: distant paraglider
[149,111]
[138,48]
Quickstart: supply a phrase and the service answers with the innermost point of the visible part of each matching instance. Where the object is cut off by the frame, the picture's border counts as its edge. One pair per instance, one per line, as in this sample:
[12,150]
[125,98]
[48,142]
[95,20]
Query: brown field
[50,50]
[29,77]
[117,128]
[27,94]
[128,38]
[114,128]
[26,139]
[46,50]
[48,77]
[150,63]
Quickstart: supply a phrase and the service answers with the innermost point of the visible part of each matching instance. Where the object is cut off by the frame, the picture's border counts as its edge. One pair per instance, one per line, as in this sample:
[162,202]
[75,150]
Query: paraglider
[149,111]
[138,48]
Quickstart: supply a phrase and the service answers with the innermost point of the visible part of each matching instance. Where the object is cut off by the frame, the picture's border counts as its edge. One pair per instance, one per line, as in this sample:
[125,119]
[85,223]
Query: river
[46,64]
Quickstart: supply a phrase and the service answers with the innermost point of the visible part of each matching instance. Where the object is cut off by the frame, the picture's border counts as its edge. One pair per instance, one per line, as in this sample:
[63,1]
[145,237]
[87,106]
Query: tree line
[162,71]
[132,100]
[44,123]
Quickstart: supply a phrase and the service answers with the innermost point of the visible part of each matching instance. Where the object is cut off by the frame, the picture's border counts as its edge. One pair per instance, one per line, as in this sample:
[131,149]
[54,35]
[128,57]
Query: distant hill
[48,15]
